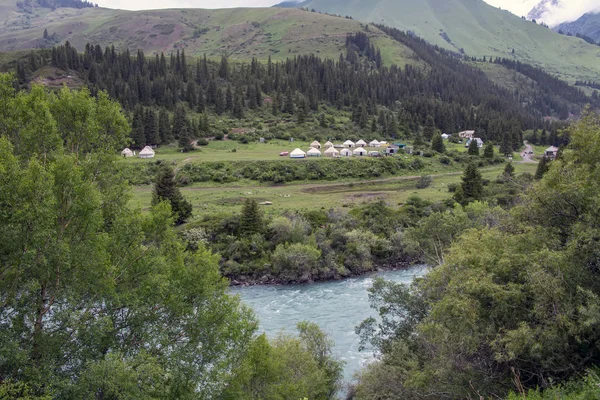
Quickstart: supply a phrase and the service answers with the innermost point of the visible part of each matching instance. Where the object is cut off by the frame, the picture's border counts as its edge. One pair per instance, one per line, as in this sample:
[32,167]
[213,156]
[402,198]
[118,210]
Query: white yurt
[361,143]
[331,152]
[127,152]
[313,152]
[346,153]
[297,153]
[374,143]
[328,145]
[146,152]
[349,144]
[360,151]
[315,145]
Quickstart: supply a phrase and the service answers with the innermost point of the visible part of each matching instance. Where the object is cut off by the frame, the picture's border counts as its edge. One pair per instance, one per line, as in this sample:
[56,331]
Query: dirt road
[527,154]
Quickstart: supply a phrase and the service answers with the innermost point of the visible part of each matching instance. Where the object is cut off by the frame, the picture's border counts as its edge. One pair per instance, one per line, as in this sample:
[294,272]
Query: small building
[360,152]
[445,136]
[478,140]
[313,152]
[346,152]
[391,150]
[315,145]
[147,152]
[328,145]
[399,145]
[349,144]
[374,143]
[127,152]
[361,143]
[297,153]
[466,134]
[332,152]
[374,154]
[551,152]
[261,140]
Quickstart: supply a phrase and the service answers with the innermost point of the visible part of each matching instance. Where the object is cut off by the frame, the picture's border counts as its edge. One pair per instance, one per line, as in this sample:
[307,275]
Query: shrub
[424,182]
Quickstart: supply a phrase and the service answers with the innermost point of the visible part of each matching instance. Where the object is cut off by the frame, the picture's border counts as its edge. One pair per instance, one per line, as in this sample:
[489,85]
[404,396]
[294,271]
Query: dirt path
[527,154]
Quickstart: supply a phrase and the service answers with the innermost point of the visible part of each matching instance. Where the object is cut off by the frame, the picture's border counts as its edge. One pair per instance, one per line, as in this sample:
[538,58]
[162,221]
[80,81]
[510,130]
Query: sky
[575,9]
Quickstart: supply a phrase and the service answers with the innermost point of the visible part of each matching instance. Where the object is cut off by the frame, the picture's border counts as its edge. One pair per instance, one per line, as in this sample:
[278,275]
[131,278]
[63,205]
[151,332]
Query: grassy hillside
[238,33]
[477,28]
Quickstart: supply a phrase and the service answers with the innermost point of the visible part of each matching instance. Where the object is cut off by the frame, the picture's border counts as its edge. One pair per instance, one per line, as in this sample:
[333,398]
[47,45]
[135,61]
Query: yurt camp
[361,143]
[331,152]
[315,145]
[297,153]
[328,145]
[346,153]
[146,152]
[313,152]
[349,144]
[374,143]
[127,152]
[360,152]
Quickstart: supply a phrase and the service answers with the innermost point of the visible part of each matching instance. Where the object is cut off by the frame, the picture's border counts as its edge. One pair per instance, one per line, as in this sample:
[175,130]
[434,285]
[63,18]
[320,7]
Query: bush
[295,262]
[424,182]
[202,142]
[452,187]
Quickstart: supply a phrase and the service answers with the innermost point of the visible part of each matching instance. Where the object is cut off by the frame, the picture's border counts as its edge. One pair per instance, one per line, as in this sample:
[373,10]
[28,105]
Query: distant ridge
[290,4]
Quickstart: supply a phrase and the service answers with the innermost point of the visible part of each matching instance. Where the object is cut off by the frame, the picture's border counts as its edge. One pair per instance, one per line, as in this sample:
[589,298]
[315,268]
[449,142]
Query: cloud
[565,11]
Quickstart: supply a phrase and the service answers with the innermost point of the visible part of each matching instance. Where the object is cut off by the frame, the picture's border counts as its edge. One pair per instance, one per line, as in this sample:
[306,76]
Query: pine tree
[164,126]
[165,189]
[542,168]
[251,220]
[322,121]
[509,171]
[185,143]
[179,122]
[506,145]
[224,68]
[137,128]
[45,36]
[151,127]
[228,99]
[289,102]
[473,148]
[238,108]
[219,103]
[489,150]
[302,112]
[437,144]
[429,129]
[472,184]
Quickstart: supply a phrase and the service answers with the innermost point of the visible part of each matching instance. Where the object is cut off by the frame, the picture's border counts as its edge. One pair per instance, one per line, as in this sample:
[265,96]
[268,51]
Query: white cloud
[565,11]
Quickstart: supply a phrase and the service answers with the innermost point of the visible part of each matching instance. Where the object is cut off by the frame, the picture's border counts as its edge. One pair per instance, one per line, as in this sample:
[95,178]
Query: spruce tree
[185,143]
[251,220]
[509,171]
[179,122]
[219,103]
[322,121]
[473,148]
[137,128]
[489,150]
[429,129]
[472,184]
[238,106]
[165,189]
[164,126]
[288,106]
[542,168]
[506,145]
[437,144]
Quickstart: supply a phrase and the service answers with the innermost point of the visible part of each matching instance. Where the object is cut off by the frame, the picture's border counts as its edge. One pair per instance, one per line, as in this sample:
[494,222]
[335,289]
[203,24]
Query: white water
[336,306]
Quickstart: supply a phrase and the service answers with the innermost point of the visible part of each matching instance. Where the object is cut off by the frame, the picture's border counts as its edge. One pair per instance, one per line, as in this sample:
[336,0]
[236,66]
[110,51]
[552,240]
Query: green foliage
[489,150]
[437,144]
[509,171]
[295,262]
[251,220]
[165,189]
[542,168]
[424,182]
[471,186]
[473,148]
[96,297]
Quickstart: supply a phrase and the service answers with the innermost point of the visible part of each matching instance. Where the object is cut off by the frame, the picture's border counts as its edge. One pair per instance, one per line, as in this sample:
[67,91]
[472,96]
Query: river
[336,306]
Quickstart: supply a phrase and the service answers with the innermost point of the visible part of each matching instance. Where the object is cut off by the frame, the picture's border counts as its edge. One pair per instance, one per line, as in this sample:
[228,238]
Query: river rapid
[336,306]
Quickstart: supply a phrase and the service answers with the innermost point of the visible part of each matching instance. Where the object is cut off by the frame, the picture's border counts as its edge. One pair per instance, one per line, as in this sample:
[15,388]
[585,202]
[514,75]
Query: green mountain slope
[478,29]
[588,25]
[237,33]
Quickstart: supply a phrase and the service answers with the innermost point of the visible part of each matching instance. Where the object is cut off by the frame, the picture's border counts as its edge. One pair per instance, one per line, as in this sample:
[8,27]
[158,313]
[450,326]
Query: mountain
[478,29]
[237,33]
[588,25]
[544,8]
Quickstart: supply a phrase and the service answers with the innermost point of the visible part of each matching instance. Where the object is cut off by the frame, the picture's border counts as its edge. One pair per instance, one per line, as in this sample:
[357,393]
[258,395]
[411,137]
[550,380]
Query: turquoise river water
[336,306]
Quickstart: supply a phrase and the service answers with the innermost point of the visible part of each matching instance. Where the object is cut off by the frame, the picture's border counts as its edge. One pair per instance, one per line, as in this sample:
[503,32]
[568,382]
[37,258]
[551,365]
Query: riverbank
[268,279]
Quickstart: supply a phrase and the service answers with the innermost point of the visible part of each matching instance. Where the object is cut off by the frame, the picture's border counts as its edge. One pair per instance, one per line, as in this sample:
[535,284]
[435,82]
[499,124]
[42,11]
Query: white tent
[315,145]
[331,152]
[146,152]
[127,152]
[374,143]
[328,145]
[312,152]
[346,153]
[360,151]
[445,136]
[361,143]
[297,153]
[349,144]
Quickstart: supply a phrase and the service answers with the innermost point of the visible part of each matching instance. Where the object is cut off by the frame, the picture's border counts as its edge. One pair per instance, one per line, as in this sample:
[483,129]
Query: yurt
[360,151]
[146,152]
[297,153]
[313,152]
[331,152]
[374,143]
[315,145]
[361,143]
[349,144]
[328,145]
[127,152]
[346,153]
